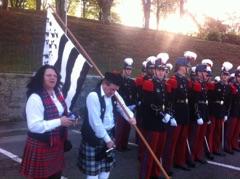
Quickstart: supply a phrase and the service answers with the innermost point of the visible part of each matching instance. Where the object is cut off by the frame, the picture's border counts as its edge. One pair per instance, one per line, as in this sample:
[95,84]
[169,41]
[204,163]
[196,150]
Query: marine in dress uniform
[150,61]
[199,112]
[220,98]
[155,116]
[175,148]
[233,124]
[128,92]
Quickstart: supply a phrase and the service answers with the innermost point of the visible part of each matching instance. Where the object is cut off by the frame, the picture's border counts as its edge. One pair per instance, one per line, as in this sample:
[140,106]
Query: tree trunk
[182,8]
[158,14]
[60,8]
[146,10]
[5,4]
[105,10]
[38,5]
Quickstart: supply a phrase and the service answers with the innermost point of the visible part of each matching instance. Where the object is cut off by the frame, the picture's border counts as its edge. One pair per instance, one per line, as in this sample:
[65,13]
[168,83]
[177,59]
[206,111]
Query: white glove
[209,122]
[225,118]
[200,121]
[166,118]
[132,107]
[173,122]
[139,103]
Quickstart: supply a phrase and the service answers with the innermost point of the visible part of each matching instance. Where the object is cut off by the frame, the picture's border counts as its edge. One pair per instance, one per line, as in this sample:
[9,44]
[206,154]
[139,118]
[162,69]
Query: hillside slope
[22,36]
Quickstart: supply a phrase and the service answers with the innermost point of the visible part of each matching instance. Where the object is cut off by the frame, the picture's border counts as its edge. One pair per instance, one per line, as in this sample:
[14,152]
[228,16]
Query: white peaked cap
[189,54]
[238,68]
[207,62]
[164,57]
[128,61]
[217,78]
[144,63]
[152,59]
[232,75]
[193,69]
[227,66]
[169,66]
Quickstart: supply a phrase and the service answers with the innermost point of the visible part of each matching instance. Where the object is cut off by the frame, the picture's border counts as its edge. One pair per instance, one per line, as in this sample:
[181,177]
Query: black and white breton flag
[60,52]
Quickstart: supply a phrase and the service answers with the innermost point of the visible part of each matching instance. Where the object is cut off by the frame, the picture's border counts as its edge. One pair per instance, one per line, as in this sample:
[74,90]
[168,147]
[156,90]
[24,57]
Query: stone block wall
[13,95]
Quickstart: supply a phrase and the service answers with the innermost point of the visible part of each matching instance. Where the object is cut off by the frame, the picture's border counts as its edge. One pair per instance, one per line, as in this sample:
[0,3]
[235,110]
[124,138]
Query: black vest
[88,135]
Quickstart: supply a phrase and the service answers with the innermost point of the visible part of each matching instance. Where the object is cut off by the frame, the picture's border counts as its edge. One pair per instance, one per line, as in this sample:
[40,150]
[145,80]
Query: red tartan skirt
[40,160]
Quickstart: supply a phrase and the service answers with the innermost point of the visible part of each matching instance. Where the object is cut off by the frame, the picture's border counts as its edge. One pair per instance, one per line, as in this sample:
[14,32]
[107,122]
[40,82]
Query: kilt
[90,163]
[40,159]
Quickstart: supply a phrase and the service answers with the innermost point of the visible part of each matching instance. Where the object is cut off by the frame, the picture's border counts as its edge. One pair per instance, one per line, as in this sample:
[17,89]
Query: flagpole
[102,76]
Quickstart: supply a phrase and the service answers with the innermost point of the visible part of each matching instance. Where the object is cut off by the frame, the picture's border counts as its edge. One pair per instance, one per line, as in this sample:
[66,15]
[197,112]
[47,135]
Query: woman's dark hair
[35,84]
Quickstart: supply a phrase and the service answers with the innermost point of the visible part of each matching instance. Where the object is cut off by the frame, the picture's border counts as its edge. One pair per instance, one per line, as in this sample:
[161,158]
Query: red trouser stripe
[148,167]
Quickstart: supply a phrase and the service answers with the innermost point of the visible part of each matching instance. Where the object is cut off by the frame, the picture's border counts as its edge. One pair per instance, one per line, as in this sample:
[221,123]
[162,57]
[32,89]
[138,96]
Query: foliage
[18,3]
[214,36]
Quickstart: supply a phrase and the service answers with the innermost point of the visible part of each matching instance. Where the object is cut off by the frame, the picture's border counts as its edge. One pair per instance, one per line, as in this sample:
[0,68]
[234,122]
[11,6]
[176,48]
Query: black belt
[203,102]
[182,101]
[219,102]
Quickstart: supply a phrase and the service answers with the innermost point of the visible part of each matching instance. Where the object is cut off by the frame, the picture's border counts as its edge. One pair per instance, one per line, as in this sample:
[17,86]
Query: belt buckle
[206,102]
[163,107]
[186,101]
[221,102]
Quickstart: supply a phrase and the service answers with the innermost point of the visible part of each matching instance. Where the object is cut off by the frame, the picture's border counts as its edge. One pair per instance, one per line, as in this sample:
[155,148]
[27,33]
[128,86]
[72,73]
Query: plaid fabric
[41,159]
[92,161]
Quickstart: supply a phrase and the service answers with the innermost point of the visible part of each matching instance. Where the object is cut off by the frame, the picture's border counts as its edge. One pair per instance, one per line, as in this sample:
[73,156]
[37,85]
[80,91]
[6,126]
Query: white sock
[103,175]
[92,177]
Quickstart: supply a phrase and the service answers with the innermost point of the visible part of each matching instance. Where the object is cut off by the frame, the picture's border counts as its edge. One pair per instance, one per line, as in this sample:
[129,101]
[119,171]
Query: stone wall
[13,95]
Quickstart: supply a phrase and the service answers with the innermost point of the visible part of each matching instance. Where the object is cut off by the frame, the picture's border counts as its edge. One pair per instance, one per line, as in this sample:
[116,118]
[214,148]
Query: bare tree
[38,5]
[60,8]
[105,10]
[164,8]
[146,10]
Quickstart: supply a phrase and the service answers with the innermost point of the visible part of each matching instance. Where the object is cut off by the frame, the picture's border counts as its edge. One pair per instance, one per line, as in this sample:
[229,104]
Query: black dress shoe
[237,150]
[182,167]
[210,156]
[191,164]
[229,152]
[219,154]
[170,173]
[202,161]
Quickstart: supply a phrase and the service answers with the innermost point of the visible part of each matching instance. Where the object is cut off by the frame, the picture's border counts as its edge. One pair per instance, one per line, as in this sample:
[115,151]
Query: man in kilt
[96,155]
[46,113]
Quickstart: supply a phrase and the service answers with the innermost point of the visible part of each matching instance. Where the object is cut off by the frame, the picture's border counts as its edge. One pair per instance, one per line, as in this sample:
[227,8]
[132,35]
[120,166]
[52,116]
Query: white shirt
[35,114]
[94,112]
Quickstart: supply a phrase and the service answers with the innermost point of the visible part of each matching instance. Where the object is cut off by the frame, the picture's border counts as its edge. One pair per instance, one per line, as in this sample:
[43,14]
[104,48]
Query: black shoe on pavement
[210,156]
[229,152]
[191,164]
[202,161]
[219,154]
[237,150]
[170,173]
[182,167]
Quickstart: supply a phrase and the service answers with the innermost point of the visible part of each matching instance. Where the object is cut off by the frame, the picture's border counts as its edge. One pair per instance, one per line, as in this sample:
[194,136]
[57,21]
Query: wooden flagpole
[79,46]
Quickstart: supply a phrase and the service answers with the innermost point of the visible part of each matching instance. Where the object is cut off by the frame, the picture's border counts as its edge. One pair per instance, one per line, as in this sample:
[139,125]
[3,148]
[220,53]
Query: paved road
[13,135]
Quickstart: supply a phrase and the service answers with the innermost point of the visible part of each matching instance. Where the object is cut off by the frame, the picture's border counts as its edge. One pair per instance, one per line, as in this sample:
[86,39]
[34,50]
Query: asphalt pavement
[12,141]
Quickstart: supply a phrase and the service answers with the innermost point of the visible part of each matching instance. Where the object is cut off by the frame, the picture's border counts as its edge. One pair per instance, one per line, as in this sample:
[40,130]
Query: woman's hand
[65,121]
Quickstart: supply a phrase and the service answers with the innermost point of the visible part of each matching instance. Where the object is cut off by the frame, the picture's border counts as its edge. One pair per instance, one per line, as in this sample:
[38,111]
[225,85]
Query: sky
[131,13]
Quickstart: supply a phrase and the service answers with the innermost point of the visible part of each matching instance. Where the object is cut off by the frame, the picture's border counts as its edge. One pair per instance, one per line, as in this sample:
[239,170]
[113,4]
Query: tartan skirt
[40,160]
[92,161]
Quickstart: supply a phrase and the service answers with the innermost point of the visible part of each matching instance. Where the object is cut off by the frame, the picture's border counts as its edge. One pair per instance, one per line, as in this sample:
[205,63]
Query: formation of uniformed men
[185,117]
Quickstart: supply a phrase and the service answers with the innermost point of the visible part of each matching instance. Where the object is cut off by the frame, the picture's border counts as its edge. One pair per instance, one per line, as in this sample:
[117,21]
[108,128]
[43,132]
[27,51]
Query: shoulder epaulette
[148,85]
